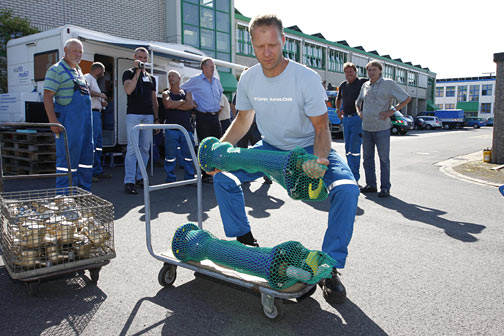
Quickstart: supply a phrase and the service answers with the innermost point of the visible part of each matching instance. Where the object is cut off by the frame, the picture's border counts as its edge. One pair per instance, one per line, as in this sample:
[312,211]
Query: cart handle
[34,176]
[148,188]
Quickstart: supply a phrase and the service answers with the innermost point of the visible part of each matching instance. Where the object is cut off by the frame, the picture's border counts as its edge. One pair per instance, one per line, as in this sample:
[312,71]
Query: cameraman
[140,87]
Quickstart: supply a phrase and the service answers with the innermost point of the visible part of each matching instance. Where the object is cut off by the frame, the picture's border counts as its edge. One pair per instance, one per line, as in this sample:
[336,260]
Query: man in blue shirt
[206,91]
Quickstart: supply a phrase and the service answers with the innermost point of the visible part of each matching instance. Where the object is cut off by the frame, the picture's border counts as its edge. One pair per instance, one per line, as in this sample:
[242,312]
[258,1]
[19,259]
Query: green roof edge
[335,44]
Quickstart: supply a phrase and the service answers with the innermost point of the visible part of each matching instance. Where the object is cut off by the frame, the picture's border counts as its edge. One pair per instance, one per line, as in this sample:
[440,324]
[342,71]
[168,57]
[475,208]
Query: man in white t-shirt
[289,104]
[98,102]
[224,113]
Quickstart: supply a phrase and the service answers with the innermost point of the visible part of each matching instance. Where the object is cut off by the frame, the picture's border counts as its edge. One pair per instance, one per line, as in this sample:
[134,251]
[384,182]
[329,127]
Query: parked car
[411,122]
[475,122]
[490,121]
[432,122]
[399,124]
[335,123]
[419,123]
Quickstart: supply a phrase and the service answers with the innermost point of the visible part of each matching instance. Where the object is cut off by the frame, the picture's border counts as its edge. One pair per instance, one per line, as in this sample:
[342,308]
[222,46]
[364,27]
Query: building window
[412,79]
[462,93]
[243,45]
[474,93]
[486,90]
[206,25]
[401,76]
[439,106]
[450,91]
[449,106]
[389,72]
[314,56]
[336,60]
[486,107]
[291,49]
[439,91]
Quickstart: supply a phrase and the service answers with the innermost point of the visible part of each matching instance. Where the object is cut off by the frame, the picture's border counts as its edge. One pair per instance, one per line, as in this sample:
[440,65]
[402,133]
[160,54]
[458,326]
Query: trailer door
[122,98]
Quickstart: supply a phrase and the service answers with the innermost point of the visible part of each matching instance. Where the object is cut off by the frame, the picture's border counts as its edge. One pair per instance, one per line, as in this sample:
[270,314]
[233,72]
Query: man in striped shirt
[67,101]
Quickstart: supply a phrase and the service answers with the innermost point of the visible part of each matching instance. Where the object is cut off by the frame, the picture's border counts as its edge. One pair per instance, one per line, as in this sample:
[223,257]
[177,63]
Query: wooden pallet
[32,168]
[28,153]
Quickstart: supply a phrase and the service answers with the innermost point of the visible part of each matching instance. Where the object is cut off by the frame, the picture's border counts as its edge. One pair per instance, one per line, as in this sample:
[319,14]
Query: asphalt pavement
[425,261]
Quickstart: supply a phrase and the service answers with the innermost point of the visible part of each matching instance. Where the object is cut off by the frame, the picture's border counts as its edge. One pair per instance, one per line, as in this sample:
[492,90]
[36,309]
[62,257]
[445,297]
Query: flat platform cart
[271,299]
[52,233]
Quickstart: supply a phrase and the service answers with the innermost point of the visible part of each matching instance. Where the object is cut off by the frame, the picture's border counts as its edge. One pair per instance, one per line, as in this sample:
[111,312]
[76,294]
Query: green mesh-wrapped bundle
[282,266]
[283,167]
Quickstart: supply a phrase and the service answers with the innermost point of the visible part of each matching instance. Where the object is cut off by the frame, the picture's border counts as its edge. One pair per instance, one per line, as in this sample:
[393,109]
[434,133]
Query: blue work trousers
[97,139]
[380,140]
[343,196]
[175,139]
[352,131]
[76,117]
[143,139]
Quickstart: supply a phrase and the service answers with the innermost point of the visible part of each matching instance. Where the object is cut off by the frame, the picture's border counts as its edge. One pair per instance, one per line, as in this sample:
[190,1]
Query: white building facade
[475,95]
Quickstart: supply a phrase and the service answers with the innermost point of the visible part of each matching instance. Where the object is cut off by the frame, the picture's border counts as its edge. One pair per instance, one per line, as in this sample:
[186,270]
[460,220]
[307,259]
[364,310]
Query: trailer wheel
[167,275]
[277,311]
[95,274]
[476,126]
[446,126]
[33,287]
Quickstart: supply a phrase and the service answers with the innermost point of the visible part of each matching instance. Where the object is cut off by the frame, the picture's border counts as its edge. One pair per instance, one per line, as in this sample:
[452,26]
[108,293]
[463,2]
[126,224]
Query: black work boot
[333,289]
[248,239]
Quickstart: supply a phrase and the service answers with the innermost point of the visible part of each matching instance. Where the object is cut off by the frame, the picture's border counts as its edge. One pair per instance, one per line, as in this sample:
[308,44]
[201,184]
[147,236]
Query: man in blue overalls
[67,101]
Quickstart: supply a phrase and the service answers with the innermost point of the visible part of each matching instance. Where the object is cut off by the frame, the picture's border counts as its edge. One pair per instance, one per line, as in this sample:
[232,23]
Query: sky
[452,38]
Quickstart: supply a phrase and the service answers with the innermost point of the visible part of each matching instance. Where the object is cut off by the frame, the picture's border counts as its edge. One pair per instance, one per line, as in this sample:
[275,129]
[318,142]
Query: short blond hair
[349,65]
[266,20]
[375,63]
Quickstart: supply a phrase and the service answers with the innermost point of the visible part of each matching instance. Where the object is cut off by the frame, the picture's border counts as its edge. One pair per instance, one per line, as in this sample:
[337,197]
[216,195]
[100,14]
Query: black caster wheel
[32,287]
[277,311]
[95,274]
[307,294]
[167,275]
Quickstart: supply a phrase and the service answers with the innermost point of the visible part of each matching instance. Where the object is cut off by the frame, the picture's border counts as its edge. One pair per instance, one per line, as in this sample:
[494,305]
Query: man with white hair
[67,101]
[179,106]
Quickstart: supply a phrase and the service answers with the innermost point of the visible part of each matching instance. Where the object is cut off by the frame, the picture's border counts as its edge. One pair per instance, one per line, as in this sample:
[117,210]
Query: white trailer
[29,58]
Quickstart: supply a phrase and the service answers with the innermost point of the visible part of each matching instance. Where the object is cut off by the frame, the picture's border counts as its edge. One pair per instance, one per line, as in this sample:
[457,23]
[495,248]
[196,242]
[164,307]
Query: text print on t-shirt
[272,99]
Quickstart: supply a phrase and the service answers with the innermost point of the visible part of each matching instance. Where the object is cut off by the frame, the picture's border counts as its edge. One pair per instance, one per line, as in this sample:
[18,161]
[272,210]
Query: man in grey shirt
[377,95]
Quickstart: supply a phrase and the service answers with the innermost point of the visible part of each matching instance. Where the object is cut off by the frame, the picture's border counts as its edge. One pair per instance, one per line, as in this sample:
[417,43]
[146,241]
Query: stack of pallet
[27,152]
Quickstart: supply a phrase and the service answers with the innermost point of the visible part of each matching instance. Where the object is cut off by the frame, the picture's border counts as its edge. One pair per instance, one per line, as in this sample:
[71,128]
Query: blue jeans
[143,139]
[352,131]
[173,140]
[343,196]
[97,139]
[381,140]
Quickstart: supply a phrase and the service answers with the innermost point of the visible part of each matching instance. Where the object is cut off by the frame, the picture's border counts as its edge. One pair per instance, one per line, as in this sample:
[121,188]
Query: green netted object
[283,167]
[282,266]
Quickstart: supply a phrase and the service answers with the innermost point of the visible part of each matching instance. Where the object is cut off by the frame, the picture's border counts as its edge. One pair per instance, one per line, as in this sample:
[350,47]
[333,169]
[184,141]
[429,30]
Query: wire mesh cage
[54,228]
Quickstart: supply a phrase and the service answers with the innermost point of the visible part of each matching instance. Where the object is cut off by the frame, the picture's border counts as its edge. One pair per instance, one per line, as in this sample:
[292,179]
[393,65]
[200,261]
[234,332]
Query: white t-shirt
[225,113]
[283,103]
[93,86]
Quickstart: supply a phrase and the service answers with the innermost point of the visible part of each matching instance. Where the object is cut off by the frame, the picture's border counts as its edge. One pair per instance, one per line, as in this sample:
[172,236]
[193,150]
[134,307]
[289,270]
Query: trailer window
[42,62]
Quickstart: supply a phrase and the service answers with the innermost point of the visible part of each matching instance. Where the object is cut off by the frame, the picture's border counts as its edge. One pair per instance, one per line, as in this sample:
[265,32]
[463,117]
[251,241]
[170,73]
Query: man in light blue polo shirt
[67,101]
[206,91]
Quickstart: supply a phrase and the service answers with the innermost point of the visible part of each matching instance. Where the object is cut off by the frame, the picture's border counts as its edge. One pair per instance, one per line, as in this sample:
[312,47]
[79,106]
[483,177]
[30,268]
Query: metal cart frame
[271,300]
[32,278]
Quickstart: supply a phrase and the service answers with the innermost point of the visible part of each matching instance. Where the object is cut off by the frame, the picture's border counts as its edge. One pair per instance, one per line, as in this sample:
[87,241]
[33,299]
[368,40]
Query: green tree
[10,27]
